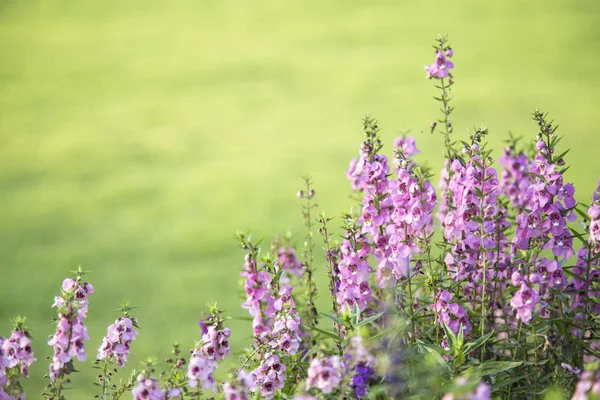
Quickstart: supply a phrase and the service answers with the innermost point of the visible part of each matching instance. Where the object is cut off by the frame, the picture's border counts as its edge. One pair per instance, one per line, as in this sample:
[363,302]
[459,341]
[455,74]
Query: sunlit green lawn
[137,136]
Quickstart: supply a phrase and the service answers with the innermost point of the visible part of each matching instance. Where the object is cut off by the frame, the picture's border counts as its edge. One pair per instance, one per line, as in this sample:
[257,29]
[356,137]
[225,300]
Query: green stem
[446,121]
[515,355]
[105,372]
[308,260]
[412,312]
[534,359]
[484,264]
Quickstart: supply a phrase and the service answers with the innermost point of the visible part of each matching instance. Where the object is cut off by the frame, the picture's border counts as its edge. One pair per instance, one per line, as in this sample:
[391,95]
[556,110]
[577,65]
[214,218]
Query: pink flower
[117,342]
[68,340]
[269,376]
[524,302]
[324,374]
[442,66]
[147,389]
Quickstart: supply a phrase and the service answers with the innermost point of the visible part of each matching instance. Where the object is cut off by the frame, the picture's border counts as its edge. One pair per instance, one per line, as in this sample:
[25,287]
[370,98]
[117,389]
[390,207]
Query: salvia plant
[486,287]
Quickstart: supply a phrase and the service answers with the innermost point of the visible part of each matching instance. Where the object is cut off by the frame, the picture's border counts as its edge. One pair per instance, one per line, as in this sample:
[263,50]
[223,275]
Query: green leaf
[451,337]
[478,343]
[492,367]
[435,352]
[507,382]
[369,319]
[331,317]
[324,332]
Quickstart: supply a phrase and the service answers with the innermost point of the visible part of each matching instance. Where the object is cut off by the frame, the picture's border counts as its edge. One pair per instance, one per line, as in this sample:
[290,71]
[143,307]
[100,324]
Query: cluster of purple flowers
[542,224]
[452,314]
[524,300]
[269,377]
[68,341]
[213,346]
[16,351]
[287,334]
[277,324]
[588,386]
[286,258]
[413,201]
[371,171]
[259,301]
[515,178]
[354,274]
[549,206]
[474,224]
[594,213]
[117,342]
[441,67]
[482,391]
[363,369]
[238,389]
[587,267]
[148,389]
[324,373]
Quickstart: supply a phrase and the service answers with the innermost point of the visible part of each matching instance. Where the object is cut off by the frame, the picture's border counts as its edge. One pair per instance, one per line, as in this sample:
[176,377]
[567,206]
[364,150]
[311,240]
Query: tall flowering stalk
[542,225]
[332,256]
[413,200]
[310,310]
[354,289]
[257,286]
[515,178]
[371,172]
[68,341]
[440,72]
[115,347]
[212,347]
[586,273]
[148,387]
[16,355]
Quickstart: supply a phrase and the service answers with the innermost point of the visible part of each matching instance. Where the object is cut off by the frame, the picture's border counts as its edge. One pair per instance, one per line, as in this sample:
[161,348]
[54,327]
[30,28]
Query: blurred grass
[137,136]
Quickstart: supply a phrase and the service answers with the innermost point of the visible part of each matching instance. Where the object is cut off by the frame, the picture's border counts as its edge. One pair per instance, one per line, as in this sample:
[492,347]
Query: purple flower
[483,391]
[570,369]
[524,302]
[362,363]
[324,373]
[406,145]
[117,342]
[259,301]
[413,201]
[354,275]
[200,371]
[147,389]
[515,178]
[269,376]
[441,67]
[589,384]
[238,389]
[212,347]
[360,379]
[287,259]
[16,351]
[287,331]
[68,341]
[452,314]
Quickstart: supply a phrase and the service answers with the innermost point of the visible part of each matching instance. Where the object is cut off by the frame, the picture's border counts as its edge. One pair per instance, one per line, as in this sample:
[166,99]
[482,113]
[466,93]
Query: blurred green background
[137,136]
